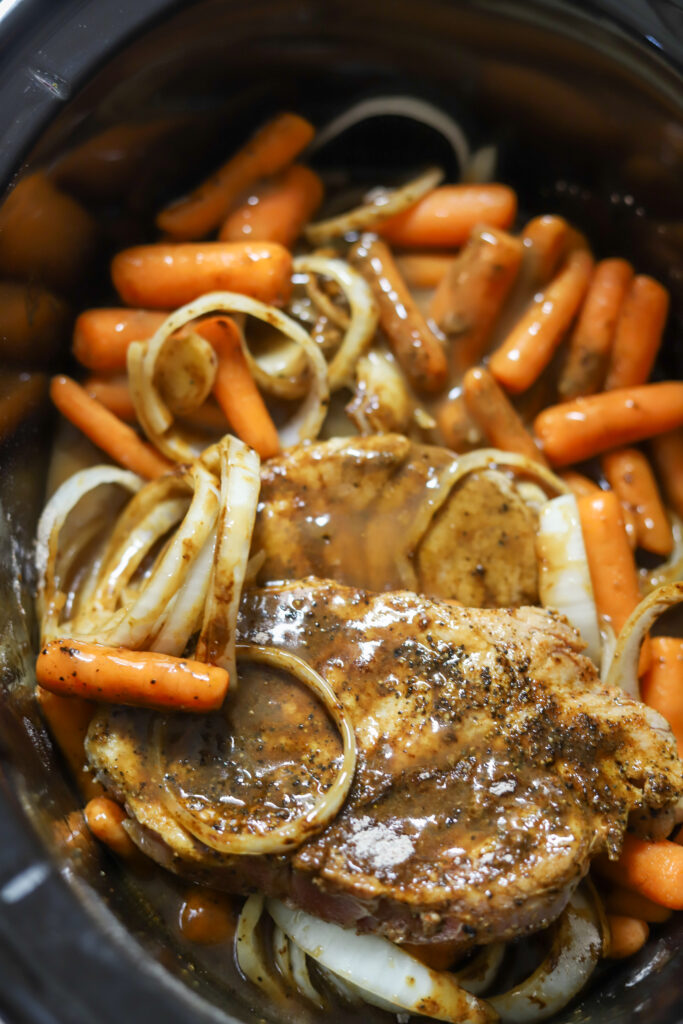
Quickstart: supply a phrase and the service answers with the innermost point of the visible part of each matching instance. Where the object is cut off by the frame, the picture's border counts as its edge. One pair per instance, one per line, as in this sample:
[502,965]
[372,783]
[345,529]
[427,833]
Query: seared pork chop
[492,764]
[380,513]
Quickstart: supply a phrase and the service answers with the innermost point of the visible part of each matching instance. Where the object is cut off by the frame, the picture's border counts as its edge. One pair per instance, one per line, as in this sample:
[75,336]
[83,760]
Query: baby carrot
[630,476]
[627,936]
[585,427]
[140,678]
[580,485]
[492,411]
[115,396]
[633,904]
[166,275]
[424,270]
[444,217]
[545,241]
[529,347]
[105,430]
[101,336]
[276,210]
[652,869]
[68,719]
[33,323]
[418,351]
[638,333]
[667,453]
[591,339]
[269,151]
[457,428]
[662,685]
[206,916]
[610,559]
[466,304]
[235,390]
[105,820]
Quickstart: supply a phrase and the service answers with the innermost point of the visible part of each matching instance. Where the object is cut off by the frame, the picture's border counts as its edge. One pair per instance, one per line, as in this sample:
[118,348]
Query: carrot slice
[592,338]
[585,427]
[545,240]
[105,820]
[105,430]
[119,676]
[101,336]
[68,719]
[529,347]
[166,275]
[444,217]
[610,559]
[654,870]
[662,686]
[418,351]
[631,477]
[466,304]
[276,210]
[627,935]
[235,390]
[492,411]
[269,151]
[638,333]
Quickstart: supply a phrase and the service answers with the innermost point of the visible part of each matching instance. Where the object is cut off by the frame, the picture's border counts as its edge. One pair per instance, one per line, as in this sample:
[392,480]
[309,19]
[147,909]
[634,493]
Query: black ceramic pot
[585,103]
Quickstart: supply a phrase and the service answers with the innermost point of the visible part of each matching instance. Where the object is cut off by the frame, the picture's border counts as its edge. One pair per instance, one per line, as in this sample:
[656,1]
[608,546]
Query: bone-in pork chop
[380,513]
[492,764]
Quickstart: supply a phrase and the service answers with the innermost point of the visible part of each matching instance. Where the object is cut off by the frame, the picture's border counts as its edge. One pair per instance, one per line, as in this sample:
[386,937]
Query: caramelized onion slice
[284,838]
[574,953]
[623,670]
[364,315]
[249,949]
[672,569]
[381,208]
[496,458]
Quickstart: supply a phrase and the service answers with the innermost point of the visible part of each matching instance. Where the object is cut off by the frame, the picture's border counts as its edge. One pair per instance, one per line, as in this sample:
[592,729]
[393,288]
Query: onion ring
[623,670]
[249,949]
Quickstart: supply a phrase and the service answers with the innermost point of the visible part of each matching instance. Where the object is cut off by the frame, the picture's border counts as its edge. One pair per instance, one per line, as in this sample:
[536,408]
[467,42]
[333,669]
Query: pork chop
[380,513]
[492,764]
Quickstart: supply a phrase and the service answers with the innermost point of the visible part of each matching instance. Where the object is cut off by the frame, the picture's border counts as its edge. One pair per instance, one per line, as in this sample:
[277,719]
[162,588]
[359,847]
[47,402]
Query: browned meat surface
[380,513]
[492,764]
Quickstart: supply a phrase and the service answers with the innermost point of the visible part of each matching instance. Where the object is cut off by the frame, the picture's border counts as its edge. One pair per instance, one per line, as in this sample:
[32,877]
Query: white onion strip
[369,215]
[496,458]
[382,972]
[284,838]
[575,951]
[155,416]
[249,949]
[182,617]
[623,671]
[364,315]
[564,579]
[301,977]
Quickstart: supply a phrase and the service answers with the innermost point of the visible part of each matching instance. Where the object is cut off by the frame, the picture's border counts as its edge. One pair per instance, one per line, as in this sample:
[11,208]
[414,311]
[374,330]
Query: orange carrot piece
[33,323]
[667,454]
[466,304]
[653,869]
[268,152]
[662,685]
[492,411]
[140,678]
[101,336]
[631,477]
[207,917]
[424,270]
[627,935]
[21,395]
[592,338]
[633,904]
[115,396]
[235,390]
[68,719]
[168,275]
[418,351]
[545,240]
[458,430]
[105,430]
[580,485]
[444,217]
[276,210]
[638,333]
[105,820]
[585,427]
[529,347]
[610,559]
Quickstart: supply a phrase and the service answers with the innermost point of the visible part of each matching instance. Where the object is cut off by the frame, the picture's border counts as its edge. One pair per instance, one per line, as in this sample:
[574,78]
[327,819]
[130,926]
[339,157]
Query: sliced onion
[240,486]
[480,973]
[322,302]
[672,569]
[155,416]
[249,950]
[564,578]
[495,458]
[481,166]
[385,974]
[285,838]
[575,951]
[301,976]
[410,107]
[183,615]
[364,315]
[369,215]
[623,671]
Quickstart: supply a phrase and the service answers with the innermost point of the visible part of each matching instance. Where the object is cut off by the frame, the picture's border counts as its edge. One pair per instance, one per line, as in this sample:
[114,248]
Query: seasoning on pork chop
[380,513]
[492,764]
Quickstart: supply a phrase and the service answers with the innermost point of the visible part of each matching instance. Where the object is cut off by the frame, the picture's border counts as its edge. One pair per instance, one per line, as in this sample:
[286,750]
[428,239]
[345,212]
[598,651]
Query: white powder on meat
[378,845]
